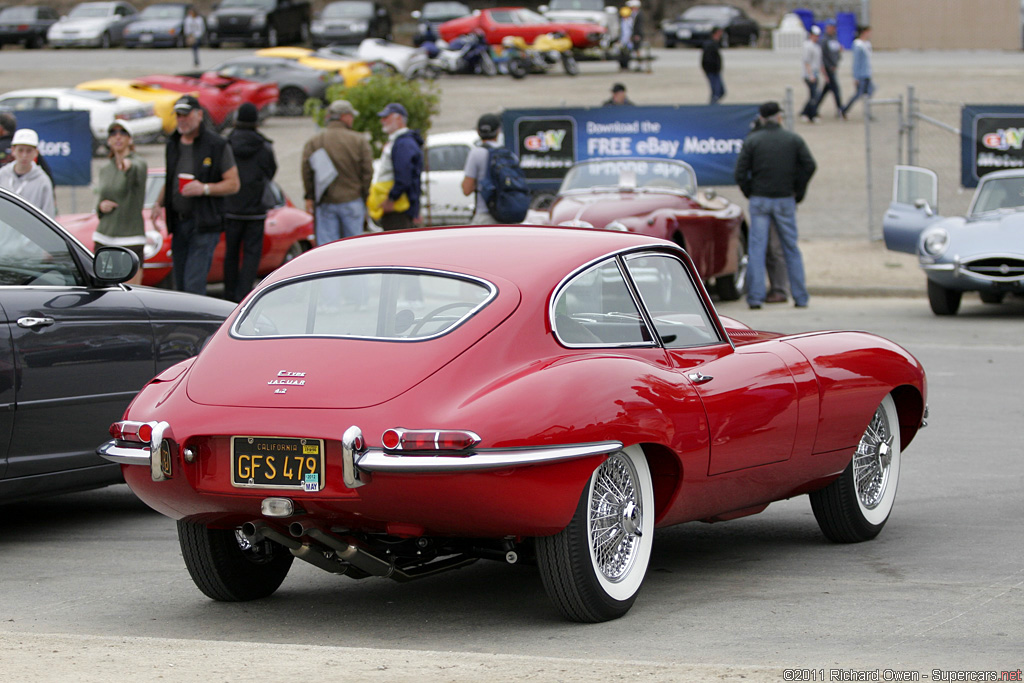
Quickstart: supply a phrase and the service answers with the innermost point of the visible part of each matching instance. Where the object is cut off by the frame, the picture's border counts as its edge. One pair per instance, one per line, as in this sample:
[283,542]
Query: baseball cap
[393,108]
[816,30]
[488,126]
[185,105]
[339,107]
[120,125]
[618,87]
[769,109]
[25,136]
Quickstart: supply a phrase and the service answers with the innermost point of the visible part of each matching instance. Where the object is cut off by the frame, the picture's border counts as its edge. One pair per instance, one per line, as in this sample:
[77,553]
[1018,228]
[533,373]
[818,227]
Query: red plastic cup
[184,179]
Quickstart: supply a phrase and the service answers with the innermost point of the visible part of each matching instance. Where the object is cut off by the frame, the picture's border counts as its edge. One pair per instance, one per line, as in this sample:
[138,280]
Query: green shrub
[421,99]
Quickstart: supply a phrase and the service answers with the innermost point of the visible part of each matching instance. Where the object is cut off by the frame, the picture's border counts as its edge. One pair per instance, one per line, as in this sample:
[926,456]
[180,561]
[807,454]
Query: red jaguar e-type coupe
[401,403]
[660,198]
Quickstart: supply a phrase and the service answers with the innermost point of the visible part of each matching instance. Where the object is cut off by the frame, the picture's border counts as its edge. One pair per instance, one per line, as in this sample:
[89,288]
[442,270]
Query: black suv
[259,22]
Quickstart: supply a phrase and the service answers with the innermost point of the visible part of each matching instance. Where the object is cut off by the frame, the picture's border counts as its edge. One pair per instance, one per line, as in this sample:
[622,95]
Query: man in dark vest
[200,172]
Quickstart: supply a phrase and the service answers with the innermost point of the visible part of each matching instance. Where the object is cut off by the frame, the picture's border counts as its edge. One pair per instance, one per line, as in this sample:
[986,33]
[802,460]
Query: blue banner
[991,139]
[549,141]
[65,140]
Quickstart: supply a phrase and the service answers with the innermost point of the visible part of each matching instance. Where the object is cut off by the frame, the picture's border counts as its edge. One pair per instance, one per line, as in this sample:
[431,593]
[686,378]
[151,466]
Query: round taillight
[145,433]
[391,439]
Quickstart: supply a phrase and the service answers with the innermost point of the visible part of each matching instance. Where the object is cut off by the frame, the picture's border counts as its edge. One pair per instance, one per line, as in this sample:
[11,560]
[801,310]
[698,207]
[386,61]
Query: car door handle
[699,378]
[33,323]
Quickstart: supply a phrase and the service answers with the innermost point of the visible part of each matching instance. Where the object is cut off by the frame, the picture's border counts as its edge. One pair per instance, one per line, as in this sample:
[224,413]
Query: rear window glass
[394,305]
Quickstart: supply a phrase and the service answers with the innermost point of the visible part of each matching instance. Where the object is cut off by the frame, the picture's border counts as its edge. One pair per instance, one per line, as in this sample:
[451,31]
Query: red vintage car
[288,231]
[263,96]
[660,198]
[219,104]
[500,22]
[400,403]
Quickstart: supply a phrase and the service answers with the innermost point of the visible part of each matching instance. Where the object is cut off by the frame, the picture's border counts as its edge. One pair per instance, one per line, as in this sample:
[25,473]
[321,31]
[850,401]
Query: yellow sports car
[351,70]
[162,99]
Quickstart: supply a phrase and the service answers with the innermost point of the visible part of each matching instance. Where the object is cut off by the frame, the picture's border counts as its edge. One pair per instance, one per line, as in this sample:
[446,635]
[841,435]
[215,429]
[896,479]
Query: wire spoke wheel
[856,506]
[593,569]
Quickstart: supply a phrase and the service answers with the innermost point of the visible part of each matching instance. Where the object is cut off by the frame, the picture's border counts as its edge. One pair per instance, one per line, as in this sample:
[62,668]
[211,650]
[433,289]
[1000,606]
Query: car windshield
[631,174]
[389,305]
[433,11]
[589,5]
[18,14]
[336,10]
[999,193]
[706,13]
[163,12]
[90,11]
[261,4]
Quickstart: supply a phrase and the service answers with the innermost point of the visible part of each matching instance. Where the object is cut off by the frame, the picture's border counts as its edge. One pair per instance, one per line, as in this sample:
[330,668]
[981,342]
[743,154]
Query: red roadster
[401,403]
[219,104]
[288,231]
[263,96]
[499,23]
[656,197]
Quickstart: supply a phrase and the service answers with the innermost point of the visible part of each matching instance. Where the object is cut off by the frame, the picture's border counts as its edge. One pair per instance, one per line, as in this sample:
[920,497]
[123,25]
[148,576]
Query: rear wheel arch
[666,475]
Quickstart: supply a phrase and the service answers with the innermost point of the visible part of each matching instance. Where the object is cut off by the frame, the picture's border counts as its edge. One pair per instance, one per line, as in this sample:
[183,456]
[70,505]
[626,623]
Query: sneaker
[803,305]
[776,298]
[754,307]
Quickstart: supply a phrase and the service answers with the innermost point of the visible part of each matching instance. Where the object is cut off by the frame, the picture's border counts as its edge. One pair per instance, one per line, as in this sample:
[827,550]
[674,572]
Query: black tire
[992,297]
[517,68]
[180,42]
[35,42]
[224,570]
[105,41]
[273,40]
[569,63]
[593,585]
[753,39]
[943,301]
[670,42]
[856,506]
[295,250]
[304,34]
[731,287]
[291,102]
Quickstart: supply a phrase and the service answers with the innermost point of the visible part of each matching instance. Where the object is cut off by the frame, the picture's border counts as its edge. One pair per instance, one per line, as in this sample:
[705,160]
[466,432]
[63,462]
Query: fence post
[911,127]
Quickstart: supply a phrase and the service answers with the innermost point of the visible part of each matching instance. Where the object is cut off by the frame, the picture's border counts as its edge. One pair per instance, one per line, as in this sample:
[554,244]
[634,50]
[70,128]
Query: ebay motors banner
[991,139]
[65,139]
[549,141]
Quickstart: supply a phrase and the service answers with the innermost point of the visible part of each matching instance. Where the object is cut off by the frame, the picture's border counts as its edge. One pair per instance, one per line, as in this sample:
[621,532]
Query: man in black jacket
[201,171]
[711,63]
[831,53]
[773,171]
[246,211]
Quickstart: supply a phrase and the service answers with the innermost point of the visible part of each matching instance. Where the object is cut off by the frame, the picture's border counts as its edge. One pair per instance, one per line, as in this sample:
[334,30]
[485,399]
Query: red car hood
[335,372]
[599,209]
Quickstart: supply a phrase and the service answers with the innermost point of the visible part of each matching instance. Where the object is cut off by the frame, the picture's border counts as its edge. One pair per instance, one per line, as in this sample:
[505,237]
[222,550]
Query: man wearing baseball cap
[478,165]
[339,204]
[24,177]
[200,172]
[401,163]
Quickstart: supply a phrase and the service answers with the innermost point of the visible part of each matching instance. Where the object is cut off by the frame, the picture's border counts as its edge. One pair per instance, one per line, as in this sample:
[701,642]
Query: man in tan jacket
[339,203]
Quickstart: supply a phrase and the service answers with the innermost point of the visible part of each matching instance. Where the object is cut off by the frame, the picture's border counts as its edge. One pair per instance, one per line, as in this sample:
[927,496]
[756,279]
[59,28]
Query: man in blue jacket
[401,161]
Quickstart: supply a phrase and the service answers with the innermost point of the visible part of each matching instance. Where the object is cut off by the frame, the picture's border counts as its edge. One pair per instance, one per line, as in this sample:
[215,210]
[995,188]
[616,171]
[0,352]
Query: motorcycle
[468,54]
[519,59]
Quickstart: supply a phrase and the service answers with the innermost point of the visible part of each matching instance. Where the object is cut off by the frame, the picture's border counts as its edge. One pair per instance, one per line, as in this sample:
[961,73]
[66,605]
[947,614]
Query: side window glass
[46,103]
[596,308]
[447,157]
[31,252]
[672,300]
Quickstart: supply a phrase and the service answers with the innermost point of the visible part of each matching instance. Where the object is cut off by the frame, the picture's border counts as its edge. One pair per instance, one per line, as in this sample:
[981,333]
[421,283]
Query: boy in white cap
[24,177]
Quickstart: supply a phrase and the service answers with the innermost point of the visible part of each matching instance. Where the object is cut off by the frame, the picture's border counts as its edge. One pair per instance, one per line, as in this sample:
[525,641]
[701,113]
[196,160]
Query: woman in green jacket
[122,190]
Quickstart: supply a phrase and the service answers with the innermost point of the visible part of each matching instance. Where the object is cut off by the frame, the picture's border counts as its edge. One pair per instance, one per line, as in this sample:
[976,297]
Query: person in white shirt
[194,27]
[24,177]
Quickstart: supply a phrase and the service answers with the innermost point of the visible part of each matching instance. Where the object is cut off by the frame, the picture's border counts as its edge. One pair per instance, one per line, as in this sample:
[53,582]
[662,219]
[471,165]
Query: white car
[443,202]
[411,62]
[92,24]
[585,12]
[102,107]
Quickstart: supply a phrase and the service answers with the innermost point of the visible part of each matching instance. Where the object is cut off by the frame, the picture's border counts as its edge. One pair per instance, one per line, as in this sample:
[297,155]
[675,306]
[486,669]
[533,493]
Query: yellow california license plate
[263,462]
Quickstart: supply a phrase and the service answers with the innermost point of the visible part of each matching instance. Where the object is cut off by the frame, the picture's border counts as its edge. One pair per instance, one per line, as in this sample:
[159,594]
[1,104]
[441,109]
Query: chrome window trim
[492,290]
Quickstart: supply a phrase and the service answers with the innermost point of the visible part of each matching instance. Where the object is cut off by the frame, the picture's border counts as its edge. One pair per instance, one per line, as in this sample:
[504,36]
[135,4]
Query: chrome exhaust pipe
[256,532]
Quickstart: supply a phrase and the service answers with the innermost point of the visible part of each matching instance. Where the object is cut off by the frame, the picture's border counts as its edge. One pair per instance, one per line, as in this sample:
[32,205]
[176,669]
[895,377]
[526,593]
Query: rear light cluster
[399,439]
[126,430]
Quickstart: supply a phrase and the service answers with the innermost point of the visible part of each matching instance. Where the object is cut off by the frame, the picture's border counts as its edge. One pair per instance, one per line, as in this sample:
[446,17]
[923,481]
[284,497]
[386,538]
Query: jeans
[334,221]
[717,87]
[833,86]
[864,88]
[195,51]
[247,236]
[810,109]
[763,210]
[192,255]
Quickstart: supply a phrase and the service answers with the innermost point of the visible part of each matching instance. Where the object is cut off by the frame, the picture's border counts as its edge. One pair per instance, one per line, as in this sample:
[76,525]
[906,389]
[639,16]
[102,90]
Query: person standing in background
[711,63]
[246,211]
[400,168]
[619,97]
[831,53]
[23,176]
[344,168]
[478,165]
[861,67]
[194,27]
[122,192]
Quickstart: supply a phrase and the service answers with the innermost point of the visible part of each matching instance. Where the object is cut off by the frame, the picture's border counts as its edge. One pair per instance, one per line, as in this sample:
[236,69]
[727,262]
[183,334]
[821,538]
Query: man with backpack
[494,174]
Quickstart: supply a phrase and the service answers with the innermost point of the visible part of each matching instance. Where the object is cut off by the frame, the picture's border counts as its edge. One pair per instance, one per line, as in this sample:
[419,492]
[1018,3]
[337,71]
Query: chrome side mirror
[924,206]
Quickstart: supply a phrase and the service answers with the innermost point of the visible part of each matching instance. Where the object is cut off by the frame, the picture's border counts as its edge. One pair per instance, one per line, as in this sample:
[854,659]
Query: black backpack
[503,187]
